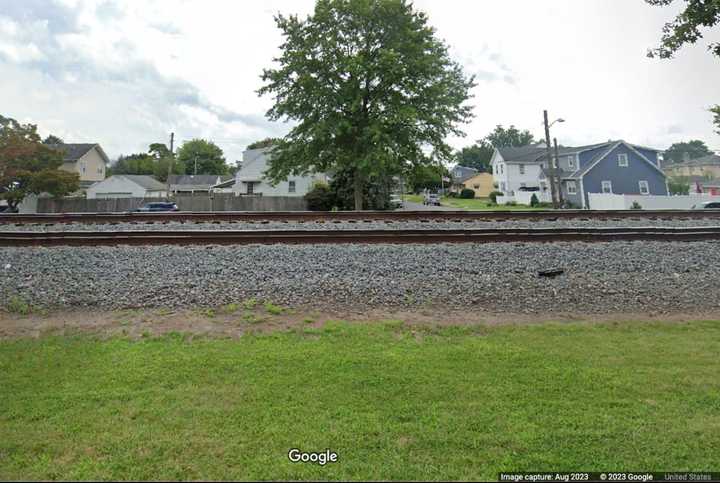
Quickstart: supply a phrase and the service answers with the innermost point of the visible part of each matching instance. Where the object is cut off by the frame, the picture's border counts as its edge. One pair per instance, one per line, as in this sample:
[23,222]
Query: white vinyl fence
[608,201]
[524,197]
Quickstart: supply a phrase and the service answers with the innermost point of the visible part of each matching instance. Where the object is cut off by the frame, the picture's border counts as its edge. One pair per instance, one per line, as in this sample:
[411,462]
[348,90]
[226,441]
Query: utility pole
[170,162]
[196,165]
[559,181]
[551,168]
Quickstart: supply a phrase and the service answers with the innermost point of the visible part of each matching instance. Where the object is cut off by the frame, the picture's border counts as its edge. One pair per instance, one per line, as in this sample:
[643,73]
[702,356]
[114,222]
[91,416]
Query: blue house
[612,167]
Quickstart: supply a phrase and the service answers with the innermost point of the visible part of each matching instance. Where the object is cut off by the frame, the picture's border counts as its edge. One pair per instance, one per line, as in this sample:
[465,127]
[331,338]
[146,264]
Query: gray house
[611,167]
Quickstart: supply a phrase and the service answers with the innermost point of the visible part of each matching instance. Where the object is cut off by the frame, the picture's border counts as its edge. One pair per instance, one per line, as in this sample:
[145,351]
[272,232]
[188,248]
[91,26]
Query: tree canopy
[686,27]
[678,152]
[477,156]
[371,87]
[264,143]
[154,163]
[52,139]
[27,166]
[202,157]
[716,116]
[510,137]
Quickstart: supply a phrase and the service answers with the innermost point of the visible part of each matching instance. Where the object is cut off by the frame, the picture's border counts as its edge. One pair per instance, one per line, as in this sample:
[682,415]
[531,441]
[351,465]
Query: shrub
[320,198]
[534,201]
[511,203]
[636,206]
[467,194]
[493,196]
[16,305]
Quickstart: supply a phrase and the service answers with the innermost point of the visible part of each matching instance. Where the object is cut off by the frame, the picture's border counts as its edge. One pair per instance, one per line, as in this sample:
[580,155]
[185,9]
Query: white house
[515,168]
[250,178]
[128,186]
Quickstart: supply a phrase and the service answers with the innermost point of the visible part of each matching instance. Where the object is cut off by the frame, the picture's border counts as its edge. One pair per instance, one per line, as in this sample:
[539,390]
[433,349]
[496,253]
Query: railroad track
[245,237]
[348,216]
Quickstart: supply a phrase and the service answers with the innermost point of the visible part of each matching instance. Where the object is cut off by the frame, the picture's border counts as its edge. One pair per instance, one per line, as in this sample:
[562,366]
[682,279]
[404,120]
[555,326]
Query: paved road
[411,206]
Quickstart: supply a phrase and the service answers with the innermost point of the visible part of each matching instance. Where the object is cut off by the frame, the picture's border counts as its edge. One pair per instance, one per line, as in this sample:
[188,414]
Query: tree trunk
[358,183]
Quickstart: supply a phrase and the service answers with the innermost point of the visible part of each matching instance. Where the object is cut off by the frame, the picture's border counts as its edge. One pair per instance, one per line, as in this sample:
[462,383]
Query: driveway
[411,206]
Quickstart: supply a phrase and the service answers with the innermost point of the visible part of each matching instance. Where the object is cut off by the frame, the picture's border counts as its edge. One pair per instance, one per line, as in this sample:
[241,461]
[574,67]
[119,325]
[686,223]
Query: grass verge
[393,402]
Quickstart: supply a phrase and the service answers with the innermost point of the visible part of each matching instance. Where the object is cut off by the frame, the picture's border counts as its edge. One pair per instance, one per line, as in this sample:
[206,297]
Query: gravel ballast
[653,277]
[364,225]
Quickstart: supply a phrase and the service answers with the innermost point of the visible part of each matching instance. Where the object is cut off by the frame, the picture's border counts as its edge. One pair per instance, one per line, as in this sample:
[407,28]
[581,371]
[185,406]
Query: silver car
[431,199]
[707,205]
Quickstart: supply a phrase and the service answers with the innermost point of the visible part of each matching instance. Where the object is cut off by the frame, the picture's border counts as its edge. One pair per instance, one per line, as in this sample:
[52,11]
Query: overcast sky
[127,73]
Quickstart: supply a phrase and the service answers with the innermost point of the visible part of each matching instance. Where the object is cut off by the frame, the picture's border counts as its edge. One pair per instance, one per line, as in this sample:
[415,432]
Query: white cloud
[126,74]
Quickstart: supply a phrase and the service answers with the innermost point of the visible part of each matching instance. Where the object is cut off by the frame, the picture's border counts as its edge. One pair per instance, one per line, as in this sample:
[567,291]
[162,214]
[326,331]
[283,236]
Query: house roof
[147,182]
[74,151]
[465,173]
[602,154]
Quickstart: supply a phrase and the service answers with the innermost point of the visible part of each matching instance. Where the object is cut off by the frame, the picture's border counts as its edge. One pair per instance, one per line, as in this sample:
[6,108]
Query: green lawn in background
[473,204]
[394,402]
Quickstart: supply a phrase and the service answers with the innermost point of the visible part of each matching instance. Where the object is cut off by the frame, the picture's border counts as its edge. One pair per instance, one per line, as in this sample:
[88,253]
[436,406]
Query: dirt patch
[234,321]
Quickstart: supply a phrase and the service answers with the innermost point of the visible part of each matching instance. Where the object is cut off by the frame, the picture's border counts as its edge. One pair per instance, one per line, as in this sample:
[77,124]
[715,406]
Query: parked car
[431,199]
[396,201]
[6,209]
[158,206]
[707,205]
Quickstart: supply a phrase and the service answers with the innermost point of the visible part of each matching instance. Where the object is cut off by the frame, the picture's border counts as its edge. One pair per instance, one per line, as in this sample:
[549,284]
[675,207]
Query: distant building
[192,184]
[707,166]
[611,167]
[128,186]
[250,178]
[88,160]
[480,183]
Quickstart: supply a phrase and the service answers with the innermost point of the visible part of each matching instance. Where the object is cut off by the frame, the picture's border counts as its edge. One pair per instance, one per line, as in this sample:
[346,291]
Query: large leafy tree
[686,28]
[202,157]
[371,88]
[139,163]
[427,177]
[678,152]
[27,166]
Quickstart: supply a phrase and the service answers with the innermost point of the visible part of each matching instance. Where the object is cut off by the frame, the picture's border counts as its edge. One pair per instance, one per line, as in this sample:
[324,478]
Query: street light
[552,168]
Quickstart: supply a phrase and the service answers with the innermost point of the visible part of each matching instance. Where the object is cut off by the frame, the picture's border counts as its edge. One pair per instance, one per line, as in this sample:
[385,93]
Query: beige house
[707,166]
[88,160]
[480,183]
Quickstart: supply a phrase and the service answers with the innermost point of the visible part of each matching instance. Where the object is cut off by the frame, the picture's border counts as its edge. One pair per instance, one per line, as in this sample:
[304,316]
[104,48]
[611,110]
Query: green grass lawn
[394,402]
[483,204]
[473,204]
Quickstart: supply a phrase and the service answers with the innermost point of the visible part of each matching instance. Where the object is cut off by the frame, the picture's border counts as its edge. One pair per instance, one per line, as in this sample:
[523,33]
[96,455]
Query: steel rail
[347,216]
[244,237]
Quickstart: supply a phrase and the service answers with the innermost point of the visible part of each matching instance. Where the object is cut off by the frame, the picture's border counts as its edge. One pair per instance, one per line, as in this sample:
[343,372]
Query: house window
[476,186]
[522,169]
[622,160]
[571,188]
[644,188]
[607,186]
[250,187]
[291,187]
[543,186]
[501,169]
[571,162]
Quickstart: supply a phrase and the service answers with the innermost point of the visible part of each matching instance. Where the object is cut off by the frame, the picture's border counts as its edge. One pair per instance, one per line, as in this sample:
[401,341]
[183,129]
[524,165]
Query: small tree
[320,198]
[27,166]
[534,201]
